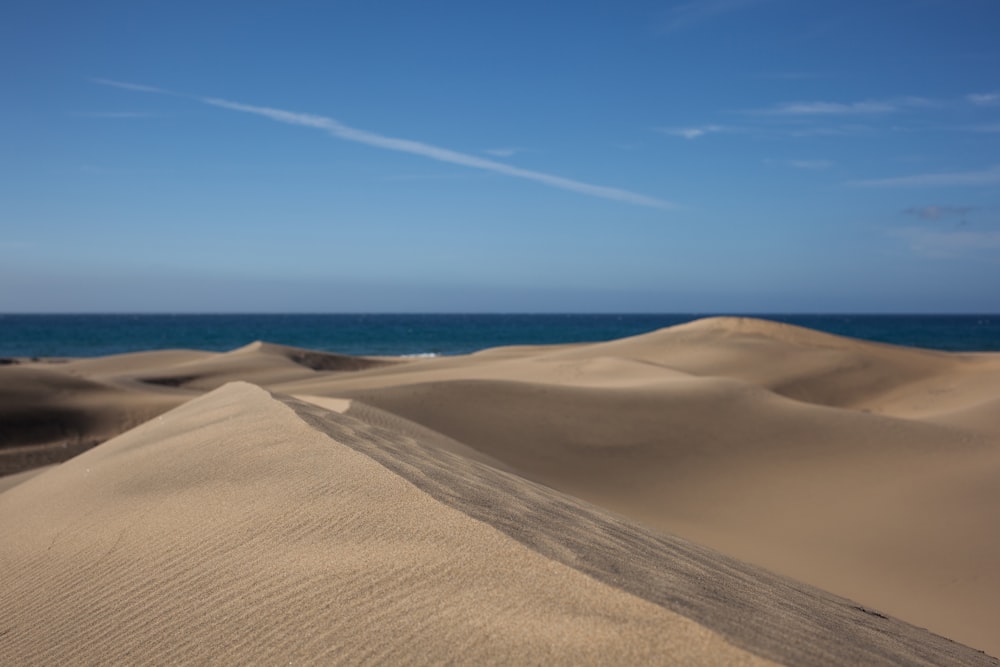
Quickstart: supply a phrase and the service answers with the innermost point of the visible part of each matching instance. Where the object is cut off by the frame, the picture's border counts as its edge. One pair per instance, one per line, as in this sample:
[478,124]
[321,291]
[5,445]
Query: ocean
[441,334]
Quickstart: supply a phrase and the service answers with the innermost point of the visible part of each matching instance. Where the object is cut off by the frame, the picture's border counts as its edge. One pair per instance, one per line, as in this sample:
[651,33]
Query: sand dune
[49,412]
[231,530]
[869,471]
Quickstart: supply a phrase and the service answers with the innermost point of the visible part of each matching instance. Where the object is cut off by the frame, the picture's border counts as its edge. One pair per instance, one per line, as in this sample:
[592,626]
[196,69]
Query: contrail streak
[347,133]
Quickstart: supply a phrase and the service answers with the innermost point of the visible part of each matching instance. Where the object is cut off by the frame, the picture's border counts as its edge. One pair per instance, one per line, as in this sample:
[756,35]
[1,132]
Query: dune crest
[239,527]
[230,530]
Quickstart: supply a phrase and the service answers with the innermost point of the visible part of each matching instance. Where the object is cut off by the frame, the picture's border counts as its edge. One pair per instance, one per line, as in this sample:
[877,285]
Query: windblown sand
[730,491]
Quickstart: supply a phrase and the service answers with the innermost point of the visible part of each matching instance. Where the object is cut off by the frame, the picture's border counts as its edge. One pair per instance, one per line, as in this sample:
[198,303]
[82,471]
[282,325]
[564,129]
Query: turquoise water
[96,335]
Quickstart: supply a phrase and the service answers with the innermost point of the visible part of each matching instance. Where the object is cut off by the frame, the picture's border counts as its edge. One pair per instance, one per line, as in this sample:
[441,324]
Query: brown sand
[392,516]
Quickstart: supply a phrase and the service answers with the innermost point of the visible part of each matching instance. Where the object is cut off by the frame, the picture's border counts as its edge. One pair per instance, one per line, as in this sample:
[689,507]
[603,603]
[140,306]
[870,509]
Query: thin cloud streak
[802,164]
[503,152]
[984,99]
[347,133]
[961,178]
[824,108]
[692,132]
[829,108]
[802,118]
[133,86]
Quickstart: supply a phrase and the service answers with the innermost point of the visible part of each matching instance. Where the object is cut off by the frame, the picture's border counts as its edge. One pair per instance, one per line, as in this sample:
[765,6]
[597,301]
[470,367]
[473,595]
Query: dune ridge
[229,530]
[867,470]
[244,527]
[764,613]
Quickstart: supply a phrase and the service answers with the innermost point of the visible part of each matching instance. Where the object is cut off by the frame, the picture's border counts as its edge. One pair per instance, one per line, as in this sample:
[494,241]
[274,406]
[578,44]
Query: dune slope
[230,530]
[870,471]
[244,528]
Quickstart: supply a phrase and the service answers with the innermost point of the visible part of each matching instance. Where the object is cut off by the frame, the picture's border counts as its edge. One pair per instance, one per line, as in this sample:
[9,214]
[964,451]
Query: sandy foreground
[729,491]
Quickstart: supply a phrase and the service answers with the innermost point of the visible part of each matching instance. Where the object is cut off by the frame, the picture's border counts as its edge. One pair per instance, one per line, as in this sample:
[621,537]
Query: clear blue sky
[695,156]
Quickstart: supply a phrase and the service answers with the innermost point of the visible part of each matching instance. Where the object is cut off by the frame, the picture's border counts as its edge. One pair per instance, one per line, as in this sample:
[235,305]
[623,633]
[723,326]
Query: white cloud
[984,98]
[503,152]
[800,164]
[692,132]
[911,113]
[824,108]
[830,108]
[133,86]
[989,176]
[347,133]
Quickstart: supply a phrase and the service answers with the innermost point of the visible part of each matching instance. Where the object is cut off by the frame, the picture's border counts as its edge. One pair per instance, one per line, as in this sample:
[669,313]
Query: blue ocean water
[412,334]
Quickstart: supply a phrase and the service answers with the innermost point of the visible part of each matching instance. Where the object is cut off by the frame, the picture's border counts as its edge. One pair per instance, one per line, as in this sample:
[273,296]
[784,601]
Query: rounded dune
[395,502]
[231,530]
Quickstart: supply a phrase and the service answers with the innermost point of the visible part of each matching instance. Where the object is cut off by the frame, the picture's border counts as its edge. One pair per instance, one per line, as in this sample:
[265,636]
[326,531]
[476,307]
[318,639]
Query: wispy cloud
[503,152]
[692,132]
[984,99]
[811,118]
[801,164]
[133,86]
[935,212]
[810,164]
[989,176]
[826,108]
[793,127]
[688,14]
[917,102]
[829,108]
[347,133]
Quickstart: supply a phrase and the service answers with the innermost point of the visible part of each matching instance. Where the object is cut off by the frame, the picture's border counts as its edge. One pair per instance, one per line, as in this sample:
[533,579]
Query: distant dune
[728,491]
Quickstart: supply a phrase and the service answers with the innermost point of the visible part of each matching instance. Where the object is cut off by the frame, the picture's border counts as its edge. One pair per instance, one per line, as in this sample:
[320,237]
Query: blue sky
[696,156]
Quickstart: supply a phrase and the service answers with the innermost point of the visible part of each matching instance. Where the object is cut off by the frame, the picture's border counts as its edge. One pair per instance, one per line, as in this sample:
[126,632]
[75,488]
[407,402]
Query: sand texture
[729,491]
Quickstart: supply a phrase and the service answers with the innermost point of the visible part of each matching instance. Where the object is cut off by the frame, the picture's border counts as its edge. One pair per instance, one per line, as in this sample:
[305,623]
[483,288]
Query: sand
[729,491]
